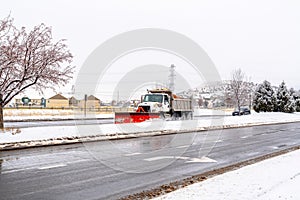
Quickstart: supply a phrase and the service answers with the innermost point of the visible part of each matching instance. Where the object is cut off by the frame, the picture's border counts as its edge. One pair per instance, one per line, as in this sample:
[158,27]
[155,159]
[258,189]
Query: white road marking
[188,159]
[133,154]
[185,146]
[244,137]
[52,166]
[8,171]
[14,170]
[158,158]
[204,159]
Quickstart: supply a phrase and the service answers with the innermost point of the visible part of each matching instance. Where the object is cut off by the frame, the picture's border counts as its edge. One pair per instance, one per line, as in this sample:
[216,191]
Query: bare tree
[239,87]
[30,59]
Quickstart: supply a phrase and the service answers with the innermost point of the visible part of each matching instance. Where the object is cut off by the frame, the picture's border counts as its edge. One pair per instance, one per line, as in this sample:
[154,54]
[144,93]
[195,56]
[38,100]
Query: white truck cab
[158,103]
[155,103]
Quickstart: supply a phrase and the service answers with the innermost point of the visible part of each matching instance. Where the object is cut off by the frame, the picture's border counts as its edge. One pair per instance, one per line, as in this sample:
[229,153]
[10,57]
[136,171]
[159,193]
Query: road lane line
[8,171]
[204,159]
[185,146]
[158,158]
[14,170]
[244,137]
[133,154]
[52,166]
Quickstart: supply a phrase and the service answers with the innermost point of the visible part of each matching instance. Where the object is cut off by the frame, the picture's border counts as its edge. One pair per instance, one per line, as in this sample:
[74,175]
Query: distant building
[57,101]
[26,101]
[91,103]
[73,102]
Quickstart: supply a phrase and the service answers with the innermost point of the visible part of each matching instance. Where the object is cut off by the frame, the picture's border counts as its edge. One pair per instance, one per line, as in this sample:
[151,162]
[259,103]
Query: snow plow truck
[158,103]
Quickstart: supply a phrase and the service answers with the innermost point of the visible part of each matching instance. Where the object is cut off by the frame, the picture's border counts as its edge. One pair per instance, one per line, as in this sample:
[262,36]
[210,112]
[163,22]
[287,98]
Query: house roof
[58,96]
[92,97]
[72,98]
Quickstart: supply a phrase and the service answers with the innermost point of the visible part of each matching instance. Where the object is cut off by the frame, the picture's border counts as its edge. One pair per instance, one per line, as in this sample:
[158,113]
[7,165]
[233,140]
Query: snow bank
[275,178]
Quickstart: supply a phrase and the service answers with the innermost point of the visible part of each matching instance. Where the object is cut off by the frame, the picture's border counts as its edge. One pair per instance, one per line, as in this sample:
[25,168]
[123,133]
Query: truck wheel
[189,115]
[175,116]
[183,116]
[162,115]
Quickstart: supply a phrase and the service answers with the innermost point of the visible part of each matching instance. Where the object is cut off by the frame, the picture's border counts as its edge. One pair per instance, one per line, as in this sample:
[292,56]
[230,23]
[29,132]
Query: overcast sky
[260,37]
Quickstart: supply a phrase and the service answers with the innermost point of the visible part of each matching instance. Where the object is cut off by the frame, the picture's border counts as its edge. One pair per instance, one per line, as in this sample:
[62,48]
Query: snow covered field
[62,134]
[275,178]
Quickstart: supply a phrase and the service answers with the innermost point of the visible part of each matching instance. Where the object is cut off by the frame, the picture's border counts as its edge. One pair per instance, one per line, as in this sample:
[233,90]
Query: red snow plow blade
[134,117]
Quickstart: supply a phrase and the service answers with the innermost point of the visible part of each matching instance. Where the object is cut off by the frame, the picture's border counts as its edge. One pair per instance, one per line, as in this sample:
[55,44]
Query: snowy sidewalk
[39,136]
[275,178]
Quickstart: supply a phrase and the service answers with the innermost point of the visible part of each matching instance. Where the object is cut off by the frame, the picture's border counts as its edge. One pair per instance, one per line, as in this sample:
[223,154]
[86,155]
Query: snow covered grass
[36,112]
[275,178]
[47,114]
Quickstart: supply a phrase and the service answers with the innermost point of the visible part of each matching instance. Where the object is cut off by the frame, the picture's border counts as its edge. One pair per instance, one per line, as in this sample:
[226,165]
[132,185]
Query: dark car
[243,111]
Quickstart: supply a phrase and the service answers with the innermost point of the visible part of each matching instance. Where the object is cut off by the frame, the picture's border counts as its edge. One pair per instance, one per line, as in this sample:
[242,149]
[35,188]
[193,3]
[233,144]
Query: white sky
[260,37]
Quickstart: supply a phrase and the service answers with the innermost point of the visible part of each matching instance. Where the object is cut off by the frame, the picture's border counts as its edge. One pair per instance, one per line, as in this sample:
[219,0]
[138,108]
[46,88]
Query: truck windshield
[153,98]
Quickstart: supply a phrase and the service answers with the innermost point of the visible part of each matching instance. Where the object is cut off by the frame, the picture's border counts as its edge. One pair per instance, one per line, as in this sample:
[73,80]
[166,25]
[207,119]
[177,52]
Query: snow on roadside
[275,178]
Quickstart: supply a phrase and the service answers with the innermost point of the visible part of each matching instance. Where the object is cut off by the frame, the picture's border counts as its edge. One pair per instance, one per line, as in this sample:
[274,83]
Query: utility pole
[118,96]
[85,100]
[172,78]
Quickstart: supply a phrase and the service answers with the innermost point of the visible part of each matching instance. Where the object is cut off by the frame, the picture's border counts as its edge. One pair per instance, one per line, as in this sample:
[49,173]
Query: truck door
[166,103]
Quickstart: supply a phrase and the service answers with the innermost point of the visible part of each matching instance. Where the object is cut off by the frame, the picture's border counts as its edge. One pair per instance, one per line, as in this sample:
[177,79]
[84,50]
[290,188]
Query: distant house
[91,103]
[73,102]
[57,101]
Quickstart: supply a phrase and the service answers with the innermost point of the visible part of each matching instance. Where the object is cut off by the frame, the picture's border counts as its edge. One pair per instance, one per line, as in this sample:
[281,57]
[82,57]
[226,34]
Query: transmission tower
[172,78]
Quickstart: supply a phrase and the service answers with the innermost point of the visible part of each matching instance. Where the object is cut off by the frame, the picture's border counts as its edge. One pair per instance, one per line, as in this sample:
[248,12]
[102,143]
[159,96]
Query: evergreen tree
[285,102]
[290,106]
[296,98]
[274,100]
[264,98]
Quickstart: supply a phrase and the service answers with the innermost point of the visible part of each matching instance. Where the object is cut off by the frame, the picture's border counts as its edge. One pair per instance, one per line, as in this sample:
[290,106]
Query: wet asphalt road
[112,169]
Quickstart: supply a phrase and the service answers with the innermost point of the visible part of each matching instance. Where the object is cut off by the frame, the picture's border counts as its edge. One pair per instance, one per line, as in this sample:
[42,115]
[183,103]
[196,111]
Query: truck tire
[189,115]
[175,116]
[183,116]
[162,115]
